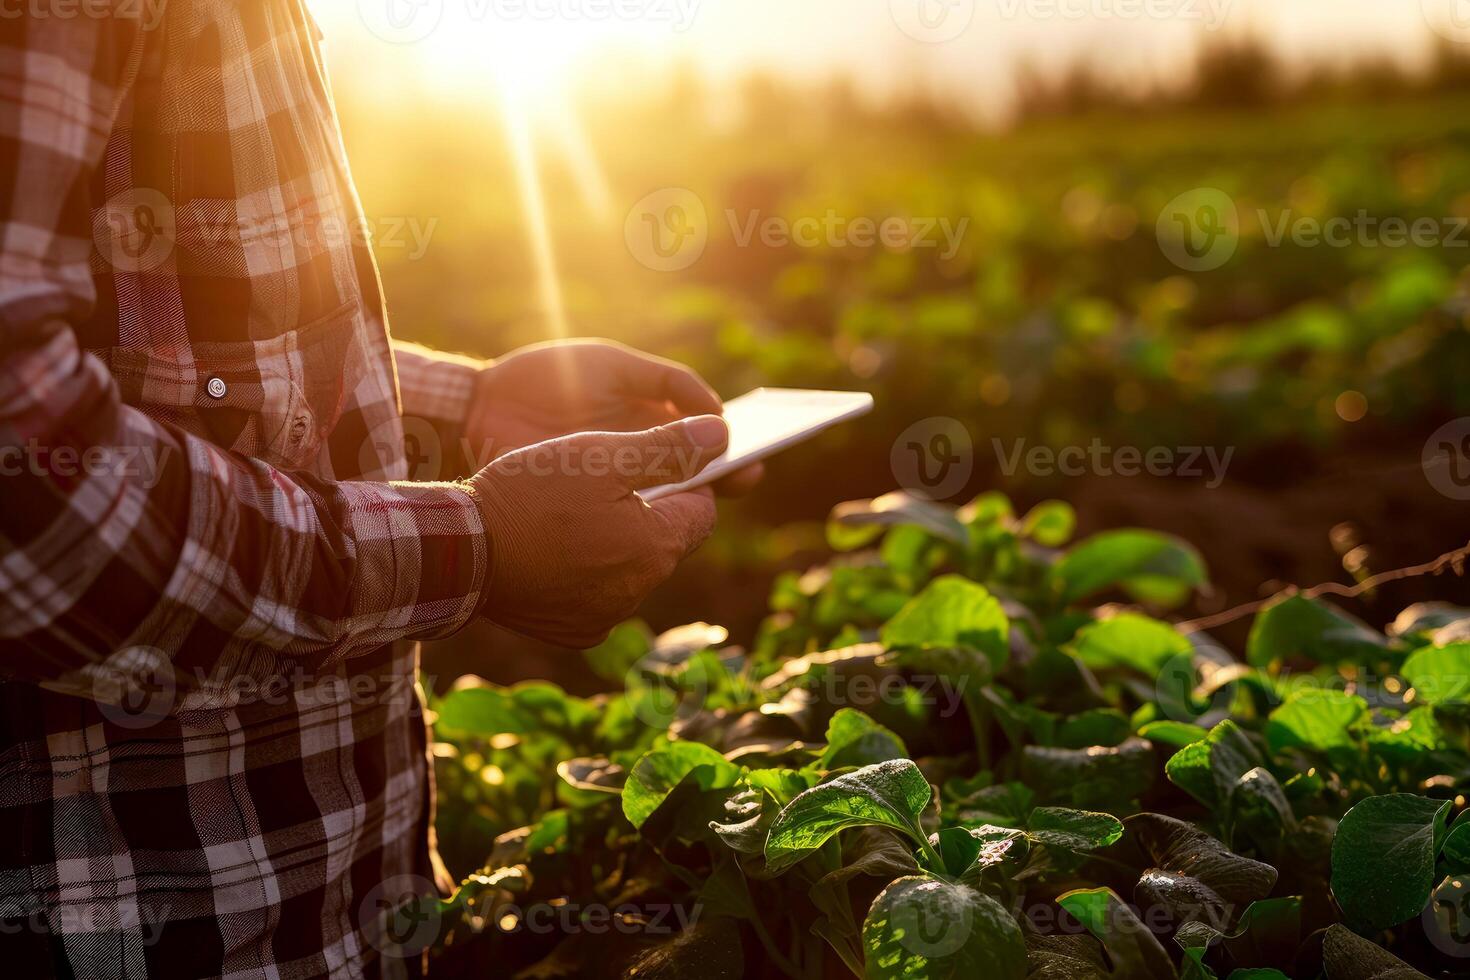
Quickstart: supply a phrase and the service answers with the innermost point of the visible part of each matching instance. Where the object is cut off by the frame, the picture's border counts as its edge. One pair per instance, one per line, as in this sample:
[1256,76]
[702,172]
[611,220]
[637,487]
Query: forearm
[436,391]
[120,532]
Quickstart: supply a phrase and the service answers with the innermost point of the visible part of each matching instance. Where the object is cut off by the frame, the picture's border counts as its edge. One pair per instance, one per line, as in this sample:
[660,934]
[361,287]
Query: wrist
[478,490]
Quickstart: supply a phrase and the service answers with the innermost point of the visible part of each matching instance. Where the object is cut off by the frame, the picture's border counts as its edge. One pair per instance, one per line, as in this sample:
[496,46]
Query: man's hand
[573,549]
[555,389]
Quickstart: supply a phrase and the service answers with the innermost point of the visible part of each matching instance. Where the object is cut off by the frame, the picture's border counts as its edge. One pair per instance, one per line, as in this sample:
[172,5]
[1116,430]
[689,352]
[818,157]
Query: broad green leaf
[1209,769]
[550,834]
[854,739]
[858,522]
[1420,623]
[726,892]
[1050,523]
[1456,849]
[952,611]
[1348,956]
[1007,805]
[1193,966]
[1135,952]
[674,647]
[1099,776]
[1321,720]
[596,775]
[1098,726]
[869,852]
[957,848]
[1074,830]
[1150,566]
[1177,734]
[660,771]
[910,553]
[1300,628]
[1441,675]
[1194,874]
[1270,931]
[1383,858]
[748,818]
[1129,640]
[1021,722]
[482,711]
[1408,739]
[923,927]
[783,784]
[966,852]
[625,646]
[1258,807]
[991,507]
[889,794]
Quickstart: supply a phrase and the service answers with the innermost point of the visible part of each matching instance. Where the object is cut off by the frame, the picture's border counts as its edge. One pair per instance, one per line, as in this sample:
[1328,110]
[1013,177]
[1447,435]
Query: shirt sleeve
[436,391]
[118,532]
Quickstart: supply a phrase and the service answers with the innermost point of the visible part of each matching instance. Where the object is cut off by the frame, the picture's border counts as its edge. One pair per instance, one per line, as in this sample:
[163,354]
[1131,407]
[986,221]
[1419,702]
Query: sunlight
[529,65]
[528,71]
[533,206]
[536,56]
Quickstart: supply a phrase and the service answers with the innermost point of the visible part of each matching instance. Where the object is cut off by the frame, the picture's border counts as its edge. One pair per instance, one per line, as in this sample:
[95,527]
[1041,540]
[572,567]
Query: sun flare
[534,60]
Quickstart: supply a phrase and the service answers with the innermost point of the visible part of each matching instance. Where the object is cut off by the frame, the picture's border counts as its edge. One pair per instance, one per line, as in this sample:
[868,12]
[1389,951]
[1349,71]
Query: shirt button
[216,388]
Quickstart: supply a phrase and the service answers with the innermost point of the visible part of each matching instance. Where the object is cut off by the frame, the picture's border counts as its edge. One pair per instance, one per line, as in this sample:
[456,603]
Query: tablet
[767,420]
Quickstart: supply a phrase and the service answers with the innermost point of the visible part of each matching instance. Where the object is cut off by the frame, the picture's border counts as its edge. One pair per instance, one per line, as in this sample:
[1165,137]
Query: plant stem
[853,963]
[931,856]
[782,963]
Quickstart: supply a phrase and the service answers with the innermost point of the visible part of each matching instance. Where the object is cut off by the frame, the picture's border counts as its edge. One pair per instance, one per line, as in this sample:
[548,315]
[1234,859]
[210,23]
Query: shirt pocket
[276,400]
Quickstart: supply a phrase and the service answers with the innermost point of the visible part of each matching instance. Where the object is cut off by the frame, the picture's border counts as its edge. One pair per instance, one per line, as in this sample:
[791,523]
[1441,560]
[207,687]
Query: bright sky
[964,47]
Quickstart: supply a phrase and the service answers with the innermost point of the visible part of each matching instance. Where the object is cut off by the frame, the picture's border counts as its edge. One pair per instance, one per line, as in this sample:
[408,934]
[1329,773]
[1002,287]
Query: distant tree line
[1240,73]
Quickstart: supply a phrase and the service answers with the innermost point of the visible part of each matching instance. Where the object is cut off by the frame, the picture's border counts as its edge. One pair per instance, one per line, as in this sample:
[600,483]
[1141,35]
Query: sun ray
[533,205]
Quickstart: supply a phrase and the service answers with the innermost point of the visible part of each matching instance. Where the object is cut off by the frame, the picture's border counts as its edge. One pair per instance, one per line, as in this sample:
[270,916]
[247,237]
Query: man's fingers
[640,415]
[646,376]
[690,517]
[665,454]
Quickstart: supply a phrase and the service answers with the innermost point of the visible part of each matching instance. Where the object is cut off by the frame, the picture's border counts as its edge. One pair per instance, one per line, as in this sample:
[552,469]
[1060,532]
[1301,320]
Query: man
[202,439]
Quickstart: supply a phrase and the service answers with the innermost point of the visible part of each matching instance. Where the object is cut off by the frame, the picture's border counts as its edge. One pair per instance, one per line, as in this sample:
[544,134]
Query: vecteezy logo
[1197,687]
[933,458]
[134,231]
[401,916]
[1446,917]
[135,687]
[1200,229]
[415,440]
[1449,19]
[668,229]
[932,21]
[1446,459]
[401,21]
[929,922]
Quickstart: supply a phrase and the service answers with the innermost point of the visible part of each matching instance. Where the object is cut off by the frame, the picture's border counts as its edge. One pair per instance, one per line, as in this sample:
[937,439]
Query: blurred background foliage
[1058,320]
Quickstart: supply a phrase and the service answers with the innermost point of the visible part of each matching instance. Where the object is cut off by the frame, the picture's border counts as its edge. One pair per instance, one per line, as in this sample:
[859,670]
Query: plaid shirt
[213,570]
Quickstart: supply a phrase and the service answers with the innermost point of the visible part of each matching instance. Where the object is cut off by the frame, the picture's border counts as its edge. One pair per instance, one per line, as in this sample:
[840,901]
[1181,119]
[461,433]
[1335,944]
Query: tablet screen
[767,420]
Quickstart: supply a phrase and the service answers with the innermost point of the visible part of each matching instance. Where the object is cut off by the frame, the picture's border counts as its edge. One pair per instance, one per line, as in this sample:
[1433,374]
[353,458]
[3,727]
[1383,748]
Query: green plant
[941,758]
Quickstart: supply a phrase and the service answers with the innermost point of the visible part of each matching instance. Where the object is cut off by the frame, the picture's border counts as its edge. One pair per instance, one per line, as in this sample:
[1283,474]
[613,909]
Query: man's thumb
[669,453]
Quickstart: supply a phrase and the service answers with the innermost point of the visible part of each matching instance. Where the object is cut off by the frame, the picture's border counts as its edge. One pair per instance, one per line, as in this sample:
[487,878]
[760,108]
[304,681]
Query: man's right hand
[573,549]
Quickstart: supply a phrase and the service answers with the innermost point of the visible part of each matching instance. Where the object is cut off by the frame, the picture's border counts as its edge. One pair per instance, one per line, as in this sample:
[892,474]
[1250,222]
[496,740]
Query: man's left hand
[554,389]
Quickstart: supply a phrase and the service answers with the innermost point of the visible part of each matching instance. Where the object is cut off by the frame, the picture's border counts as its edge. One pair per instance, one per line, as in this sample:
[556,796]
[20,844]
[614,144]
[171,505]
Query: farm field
[933,703]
